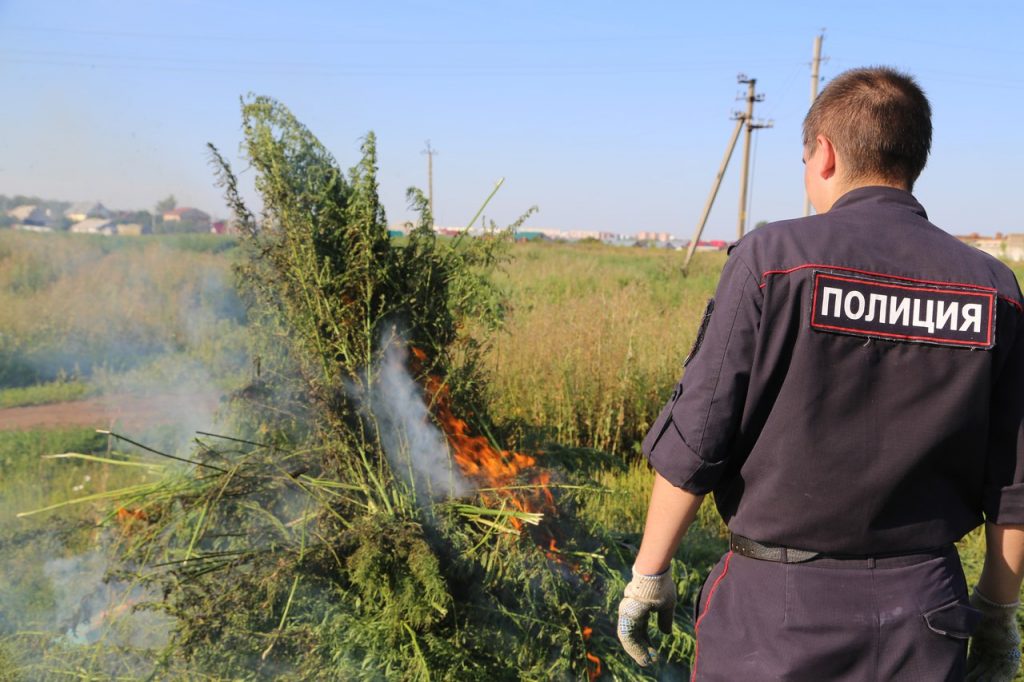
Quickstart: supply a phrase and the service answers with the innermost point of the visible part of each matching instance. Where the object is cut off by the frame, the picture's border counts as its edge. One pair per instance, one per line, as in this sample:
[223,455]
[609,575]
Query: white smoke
[166,399]
[416,449]
[88,608]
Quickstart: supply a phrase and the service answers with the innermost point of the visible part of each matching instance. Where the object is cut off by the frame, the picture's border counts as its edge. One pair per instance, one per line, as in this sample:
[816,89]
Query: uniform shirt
[857,386]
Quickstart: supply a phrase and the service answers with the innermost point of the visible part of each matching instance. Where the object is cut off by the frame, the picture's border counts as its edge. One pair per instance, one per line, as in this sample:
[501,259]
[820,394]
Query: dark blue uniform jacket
[858,387]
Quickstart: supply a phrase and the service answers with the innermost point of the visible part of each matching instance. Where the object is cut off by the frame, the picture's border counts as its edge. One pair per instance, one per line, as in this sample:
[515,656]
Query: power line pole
[430,152]
[751,125]
[815,78]
[743,120]
[714,191]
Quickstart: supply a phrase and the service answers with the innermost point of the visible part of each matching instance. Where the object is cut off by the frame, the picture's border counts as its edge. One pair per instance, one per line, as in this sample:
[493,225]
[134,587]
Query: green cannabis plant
[306,542]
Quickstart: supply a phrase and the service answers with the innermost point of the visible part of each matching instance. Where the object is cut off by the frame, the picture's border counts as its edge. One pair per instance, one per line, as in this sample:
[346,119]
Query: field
[592,342]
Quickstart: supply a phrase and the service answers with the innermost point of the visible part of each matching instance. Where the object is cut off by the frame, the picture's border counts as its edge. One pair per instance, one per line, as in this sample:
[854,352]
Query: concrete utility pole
[815,78]
[743,119]
[430,151]
[751,125]
[714,192]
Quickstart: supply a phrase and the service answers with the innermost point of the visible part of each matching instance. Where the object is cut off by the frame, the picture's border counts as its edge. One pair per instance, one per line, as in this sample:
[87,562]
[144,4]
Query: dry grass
[595,341]
[69,303]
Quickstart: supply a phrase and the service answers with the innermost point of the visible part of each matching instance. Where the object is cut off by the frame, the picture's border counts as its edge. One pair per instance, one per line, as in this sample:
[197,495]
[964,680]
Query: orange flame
[128,518]
[593,672]
[478,459]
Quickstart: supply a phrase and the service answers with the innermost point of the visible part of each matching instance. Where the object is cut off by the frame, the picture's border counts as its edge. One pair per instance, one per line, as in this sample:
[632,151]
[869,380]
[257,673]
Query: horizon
[610,121]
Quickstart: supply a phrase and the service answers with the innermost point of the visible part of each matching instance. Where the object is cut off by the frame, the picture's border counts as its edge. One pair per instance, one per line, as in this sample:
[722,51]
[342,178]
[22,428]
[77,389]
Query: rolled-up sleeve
[1004,466]
[689,443]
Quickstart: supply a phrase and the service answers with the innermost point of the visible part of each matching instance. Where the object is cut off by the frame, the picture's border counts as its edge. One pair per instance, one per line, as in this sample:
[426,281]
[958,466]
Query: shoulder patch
[881,308]
[708,309]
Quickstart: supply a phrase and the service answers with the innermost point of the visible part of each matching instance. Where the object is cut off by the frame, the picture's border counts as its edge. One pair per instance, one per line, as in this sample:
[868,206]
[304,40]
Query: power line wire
[306,40]
[186,64]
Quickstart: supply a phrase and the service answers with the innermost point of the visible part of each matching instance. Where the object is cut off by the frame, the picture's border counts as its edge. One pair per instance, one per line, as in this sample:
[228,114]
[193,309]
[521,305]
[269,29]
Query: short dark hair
[878,119]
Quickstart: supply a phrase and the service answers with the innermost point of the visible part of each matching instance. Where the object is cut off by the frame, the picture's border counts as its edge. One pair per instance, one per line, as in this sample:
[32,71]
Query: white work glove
[995,645]
[643,594]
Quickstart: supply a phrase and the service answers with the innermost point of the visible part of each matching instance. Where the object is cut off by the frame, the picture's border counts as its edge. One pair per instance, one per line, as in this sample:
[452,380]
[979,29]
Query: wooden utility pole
[815,78]
[430,151]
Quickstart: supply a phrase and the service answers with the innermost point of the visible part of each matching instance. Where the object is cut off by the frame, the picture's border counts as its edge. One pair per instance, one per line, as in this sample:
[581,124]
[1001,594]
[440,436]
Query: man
[854,400]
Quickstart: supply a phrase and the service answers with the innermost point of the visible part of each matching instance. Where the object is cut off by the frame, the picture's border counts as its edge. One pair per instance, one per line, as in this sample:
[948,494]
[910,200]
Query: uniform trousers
[828,619]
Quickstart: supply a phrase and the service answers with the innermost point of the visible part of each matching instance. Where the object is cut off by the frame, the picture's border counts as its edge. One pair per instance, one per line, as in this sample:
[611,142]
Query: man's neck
[841,188]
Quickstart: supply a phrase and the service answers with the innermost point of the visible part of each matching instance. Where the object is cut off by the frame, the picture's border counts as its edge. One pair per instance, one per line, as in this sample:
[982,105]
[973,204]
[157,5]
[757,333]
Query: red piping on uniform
[707,605]
[908,337]
[979,287]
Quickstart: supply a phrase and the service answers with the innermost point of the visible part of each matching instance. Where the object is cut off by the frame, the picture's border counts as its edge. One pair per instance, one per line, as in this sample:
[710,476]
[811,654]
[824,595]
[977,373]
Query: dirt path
[123,410]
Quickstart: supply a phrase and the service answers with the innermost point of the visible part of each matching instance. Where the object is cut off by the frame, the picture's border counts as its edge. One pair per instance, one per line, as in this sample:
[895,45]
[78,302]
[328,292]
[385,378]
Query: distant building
[712,245]
[33,228]
[1014,248]
[587,234]
[30,214]
[654,236]
[1007,247]
[187,214]
[531,233]
[86,209]
[103,226]
[131,229]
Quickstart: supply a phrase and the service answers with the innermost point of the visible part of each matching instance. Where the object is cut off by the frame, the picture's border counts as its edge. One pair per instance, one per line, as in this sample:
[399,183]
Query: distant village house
[86,209]
[103,226]
[131,229]
[31,215]
[188,215]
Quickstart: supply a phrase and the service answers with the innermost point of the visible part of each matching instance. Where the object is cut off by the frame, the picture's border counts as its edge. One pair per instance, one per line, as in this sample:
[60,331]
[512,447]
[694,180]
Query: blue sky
[609,116]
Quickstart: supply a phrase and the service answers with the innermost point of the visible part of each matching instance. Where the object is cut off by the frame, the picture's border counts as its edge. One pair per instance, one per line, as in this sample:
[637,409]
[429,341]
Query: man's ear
[826,166]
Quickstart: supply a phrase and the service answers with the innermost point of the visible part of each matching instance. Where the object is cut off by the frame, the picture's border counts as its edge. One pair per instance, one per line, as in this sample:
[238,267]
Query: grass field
[75,306]
[594,341]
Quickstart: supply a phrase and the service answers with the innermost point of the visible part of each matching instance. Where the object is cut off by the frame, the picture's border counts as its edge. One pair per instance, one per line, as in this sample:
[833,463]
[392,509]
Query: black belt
[787,555]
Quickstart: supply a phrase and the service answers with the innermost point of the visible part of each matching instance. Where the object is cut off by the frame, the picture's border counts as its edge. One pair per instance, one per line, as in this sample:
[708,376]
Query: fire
[128,518]
[494,468]
[593,672]
[481,461]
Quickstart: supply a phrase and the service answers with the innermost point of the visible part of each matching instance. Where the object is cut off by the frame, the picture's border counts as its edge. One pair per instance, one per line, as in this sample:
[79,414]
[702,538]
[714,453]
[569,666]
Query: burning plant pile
[359,520]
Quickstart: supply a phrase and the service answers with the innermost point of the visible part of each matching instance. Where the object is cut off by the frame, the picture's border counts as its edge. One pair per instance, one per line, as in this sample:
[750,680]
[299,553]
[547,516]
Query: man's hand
[643,594]
[995,645]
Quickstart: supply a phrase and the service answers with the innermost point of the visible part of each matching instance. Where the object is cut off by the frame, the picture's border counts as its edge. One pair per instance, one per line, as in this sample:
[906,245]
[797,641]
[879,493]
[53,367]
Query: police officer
[854,402]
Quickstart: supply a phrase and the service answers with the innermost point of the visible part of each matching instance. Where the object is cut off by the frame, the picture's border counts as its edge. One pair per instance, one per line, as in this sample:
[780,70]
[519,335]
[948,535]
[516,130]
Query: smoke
[416,449]
[158,330]
[165,404]
[157,335]
[179,391]
[89,609]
